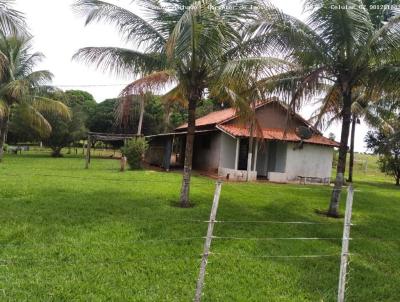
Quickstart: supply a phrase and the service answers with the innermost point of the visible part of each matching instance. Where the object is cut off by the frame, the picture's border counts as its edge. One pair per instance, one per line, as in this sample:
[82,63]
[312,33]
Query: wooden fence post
[345,245]
[207,244]
[88,146]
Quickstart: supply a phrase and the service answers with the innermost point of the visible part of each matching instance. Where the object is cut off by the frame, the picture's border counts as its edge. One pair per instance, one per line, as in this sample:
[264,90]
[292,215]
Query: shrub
[134,151]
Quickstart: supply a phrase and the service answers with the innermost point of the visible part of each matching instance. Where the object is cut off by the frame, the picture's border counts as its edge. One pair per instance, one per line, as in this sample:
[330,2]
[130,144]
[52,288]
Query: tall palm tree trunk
[3,135]
[341,165]
[187,168]
[352,137]
[139,130]
[251,140]
[250,151]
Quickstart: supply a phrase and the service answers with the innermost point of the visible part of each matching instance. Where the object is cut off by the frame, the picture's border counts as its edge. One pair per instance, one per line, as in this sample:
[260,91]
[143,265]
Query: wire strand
[274,238]
[275,222]
[102,243]
[16,261]
[276,256]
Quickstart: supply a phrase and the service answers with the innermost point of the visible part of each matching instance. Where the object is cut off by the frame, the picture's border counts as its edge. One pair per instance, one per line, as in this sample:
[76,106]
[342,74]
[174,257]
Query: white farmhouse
[222,144]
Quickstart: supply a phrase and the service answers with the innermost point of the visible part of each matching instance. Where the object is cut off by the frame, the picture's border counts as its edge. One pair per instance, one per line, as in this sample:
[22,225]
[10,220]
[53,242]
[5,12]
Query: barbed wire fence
[344,254]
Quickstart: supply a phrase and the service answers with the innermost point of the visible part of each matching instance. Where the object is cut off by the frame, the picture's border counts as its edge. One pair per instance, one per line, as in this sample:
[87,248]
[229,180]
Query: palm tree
[24,88]
[336,46]
[141,91]
[238,84]
[371,108]
[188,40]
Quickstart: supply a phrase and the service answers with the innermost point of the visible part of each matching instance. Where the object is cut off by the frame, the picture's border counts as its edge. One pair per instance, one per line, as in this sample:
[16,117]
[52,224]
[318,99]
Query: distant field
[366,167]
[70,234]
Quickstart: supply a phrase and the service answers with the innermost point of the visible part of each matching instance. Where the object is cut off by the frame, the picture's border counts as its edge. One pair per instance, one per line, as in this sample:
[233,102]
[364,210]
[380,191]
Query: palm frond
[153,82]
[143,88]
[281,33]
[296,86]
[124,109]
[183,33]
[340,28]
[12,22]
[244,75]
[175,96]
[130,25]
[4,109]
[383,80]
[329,109]
[386,40]
[17,89]
[120,61]
[26,61]
[43,104]
[39,78]
[35,119]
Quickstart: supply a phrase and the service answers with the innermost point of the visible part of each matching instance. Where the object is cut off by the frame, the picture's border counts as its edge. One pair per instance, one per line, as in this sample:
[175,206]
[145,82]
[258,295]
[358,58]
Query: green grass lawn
[69,234]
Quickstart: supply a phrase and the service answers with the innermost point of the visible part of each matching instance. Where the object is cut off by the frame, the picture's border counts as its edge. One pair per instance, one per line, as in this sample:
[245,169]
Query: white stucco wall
[207,157]
[227,151]
[281,157]
[311,161]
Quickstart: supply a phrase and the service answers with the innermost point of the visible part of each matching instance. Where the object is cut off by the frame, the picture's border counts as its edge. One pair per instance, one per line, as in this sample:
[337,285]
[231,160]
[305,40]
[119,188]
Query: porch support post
[237,153]
[255,157]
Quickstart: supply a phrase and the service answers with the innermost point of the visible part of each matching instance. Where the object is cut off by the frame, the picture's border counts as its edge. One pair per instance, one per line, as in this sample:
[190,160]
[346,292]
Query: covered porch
[267,159]
[167,150]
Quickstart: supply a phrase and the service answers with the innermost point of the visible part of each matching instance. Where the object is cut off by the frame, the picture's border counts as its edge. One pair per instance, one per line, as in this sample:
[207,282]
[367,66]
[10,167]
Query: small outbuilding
[222,144]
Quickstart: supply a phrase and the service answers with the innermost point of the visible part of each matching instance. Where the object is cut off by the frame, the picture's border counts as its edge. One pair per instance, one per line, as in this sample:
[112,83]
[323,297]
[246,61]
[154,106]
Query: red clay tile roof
[222,116]
[277,134]
[218,118]
[213,118]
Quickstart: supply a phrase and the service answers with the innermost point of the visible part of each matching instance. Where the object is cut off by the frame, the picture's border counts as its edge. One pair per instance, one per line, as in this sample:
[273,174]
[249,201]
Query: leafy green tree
[335,46]
[386,143]
[185,42]
[207,106]
[102,117]
[20,130]
[65,131]
[177,116]
[82,100]
[154,116]
[24,88]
